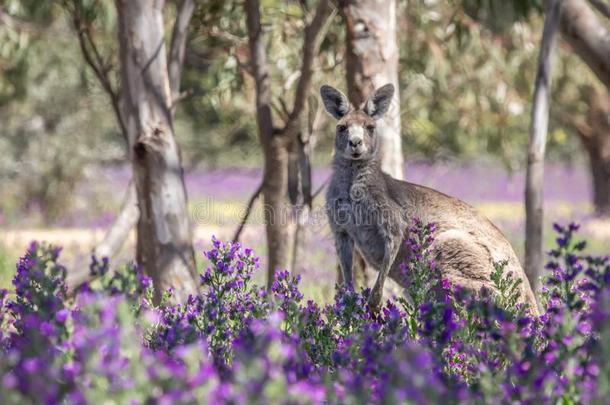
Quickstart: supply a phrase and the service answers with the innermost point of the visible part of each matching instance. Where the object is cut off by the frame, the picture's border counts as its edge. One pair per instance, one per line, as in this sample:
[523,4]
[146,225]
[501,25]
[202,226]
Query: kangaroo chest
[360,210]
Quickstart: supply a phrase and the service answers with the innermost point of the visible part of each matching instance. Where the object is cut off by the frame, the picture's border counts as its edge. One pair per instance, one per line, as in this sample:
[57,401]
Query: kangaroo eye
[341,128]
[370,128]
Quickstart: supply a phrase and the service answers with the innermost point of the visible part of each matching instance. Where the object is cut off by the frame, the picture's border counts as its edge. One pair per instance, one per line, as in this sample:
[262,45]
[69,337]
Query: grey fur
[371,211]
[379,102]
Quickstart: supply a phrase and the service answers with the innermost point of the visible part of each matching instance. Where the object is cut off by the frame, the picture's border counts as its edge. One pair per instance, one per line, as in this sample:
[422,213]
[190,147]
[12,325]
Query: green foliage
[507,287]
[466,73]
[56,123]
[467,86]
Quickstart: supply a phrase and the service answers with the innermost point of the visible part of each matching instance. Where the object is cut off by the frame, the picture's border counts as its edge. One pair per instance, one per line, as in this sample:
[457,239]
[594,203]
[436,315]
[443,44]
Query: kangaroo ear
[378,103]
[334,101]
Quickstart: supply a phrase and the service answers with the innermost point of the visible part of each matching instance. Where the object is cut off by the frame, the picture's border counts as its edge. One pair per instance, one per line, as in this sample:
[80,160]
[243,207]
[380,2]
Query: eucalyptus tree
[588,34]
[371,61]
[144,91]
[278,143]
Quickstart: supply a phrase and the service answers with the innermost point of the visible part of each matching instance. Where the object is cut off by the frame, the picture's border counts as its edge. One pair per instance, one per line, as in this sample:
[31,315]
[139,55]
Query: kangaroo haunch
[372,211]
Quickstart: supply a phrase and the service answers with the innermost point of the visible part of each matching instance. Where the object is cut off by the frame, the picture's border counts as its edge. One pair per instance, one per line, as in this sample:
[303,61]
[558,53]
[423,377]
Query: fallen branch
[242,224]
[319,190]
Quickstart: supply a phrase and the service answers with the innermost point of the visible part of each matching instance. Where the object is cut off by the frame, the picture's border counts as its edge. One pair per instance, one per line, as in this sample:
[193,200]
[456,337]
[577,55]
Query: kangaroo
[370,210]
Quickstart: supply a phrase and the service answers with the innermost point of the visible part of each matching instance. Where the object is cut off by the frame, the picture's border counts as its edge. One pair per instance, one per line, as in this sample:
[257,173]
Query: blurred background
[465,72]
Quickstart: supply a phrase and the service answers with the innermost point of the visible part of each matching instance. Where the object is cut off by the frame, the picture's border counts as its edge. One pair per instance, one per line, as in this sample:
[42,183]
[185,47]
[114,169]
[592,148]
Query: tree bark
[534,214]
[595,137]
[277,144]
[371,57]
[164,246]
[588,37]
[275,175]
[372,61]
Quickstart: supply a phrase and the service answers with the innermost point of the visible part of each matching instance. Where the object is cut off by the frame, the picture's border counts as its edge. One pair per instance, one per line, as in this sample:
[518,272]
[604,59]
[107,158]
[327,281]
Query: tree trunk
[588,37]
[595,137]
[277,144]
[164,246]
[599,161]
[372,61]
[371,57]
[534,215]
[275,172]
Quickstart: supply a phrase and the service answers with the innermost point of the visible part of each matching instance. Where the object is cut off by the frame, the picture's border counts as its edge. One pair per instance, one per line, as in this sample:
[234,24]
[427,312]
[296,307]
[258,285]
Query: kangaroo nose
[355,142]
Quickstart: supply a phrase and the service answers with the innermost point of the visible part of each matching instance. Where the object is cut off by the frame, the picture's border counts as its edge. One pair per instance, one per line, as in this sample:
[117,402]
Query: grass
[317,261]
[7,267]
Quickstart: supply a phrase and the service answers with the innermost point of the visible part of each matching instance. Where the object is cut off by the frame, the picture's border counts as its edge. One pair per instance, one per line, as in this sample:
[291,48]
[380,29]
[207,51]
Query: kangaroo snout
[355,144]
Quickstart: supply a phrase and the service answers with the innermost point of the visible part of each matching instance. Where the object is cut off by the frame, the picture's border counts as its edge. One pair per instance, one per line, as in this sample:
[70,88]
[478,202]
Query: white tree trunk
[534,213]
[372,61]
[164,245]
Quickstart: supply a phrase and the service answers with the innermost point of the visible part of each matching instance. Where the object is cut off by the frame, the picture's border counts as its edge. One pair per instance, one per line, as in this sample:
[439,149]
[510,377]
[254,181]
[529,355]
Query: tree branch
[601,6]
[588,37]
[178,46]
[243,221]
[180,97]
[311,45]
[258,61]
[94,59]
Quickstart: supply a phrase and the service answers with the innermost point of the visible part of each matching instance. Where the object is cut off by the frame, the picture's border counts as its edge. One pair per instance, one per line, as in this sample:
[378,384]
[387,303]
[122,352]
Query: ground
[218,197]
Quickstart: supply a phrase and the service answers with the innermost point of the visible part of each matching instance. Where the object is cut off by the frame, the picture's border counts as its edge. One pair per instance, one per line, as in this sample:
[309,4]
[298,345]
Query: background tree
[45,101]
[594,134]
[371,60]
[589,38]
[278,143]
[91,23]
[150,82]
[534,212]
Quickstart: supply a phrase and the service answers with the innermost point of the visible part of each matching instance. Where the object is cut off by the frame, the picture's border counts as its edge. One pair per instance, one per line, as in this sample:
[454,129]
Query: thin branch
[284,106]
[244,66]
[280,111]
[234,39]
[243,221]
[178,46]
[301,213]
[181,96]
[568,120]
[311,45]
[94,59]
[601,6]
[319,190]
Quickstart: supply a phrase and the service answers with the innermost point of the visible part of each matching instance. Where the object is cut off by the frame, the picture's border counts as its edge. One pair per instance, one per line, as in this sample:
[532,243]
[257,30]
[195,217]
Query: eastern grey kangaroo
[370,210]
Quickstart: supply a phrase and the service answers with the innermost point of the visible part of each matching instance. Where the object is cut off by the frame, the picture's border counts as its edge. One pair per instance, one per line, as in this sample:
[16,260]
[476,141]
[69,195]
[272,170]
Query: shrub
[236,343]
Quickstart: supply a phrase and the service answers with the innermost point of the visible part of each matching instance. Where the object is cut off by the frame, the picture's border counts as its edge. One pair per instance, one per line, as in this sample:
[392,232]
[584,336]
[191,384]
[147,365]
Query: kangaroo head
[356,135]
